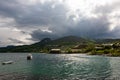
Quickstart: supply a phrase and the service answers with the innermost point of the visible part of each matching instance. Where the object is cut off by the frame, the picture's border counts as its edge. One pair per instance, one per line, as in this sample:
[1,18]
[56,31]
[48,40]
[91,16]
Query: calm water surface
[59,67]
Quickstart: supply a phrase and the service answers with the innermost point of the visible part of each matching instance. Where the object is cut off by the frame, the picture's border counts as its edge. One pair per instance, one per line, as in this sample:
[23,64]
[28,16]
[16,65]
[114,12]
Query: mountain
[70,40]
[63,43]
[46,44]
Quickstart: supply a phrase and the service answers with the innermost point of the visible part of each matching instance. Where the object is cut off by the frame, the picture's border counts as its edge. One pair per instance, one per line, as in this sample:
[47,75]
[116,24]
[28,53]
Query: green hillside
[70,44]
[46,44]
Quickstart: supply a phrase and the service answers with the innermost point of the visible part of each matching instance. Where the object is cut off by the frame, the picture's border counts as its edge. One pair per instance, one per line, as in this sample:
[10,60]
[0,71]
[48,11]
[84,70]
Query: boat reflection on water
[29,57]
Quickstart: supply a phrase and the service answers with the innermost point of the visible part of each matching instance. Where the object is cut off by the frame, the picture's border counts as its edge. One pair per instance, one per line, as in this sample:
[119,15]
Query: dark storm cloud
[116,32]
[33,15]
[38,35]
[54,16]
[92,27]
[43,15]
[10,8]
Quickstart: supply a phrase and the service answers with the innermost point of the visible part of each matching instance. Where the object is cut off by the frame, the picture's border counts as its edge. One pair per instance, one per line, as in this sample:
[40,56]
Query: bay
[59,67]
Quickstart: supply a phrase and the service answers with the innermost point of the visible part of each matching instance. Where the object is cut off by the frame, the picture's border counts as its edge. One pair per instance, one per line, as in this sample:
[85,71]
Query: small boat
[29,57]
[7,62]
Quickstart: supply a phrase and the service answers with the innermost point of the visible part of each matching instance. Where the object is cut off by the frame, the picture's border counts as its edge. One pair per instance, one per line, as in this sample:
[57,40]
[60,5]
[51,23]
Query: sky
[24,22]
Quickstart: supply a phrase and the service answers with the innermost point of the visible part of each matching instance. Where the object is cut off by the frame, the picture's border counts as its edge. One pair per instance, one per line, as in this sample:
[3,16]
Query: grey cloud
[10,8]
[38,35]
[105,11]
[33,15]
[16,41]
[92,28]
[43,15]
[116,32]
[87,27]
[39,15]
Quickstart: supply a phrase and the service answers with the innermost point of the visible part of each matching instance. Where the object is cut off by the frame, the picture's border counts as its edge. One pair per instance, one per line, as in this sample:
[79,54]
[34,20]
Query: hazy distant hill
[46,44]
[106,40]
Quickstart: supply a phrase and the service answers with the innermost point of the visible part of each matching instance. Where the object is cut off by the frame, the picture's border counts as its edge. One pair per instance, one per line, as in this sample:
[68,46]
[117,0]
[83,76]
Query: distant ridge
[106,40]
[46,43]
[64,42]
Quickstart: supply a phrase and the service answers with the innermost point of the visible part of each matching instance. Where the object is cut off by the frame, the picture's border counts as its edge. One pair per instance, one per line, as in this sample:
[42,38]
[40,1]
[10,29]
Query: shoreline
[107,55]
